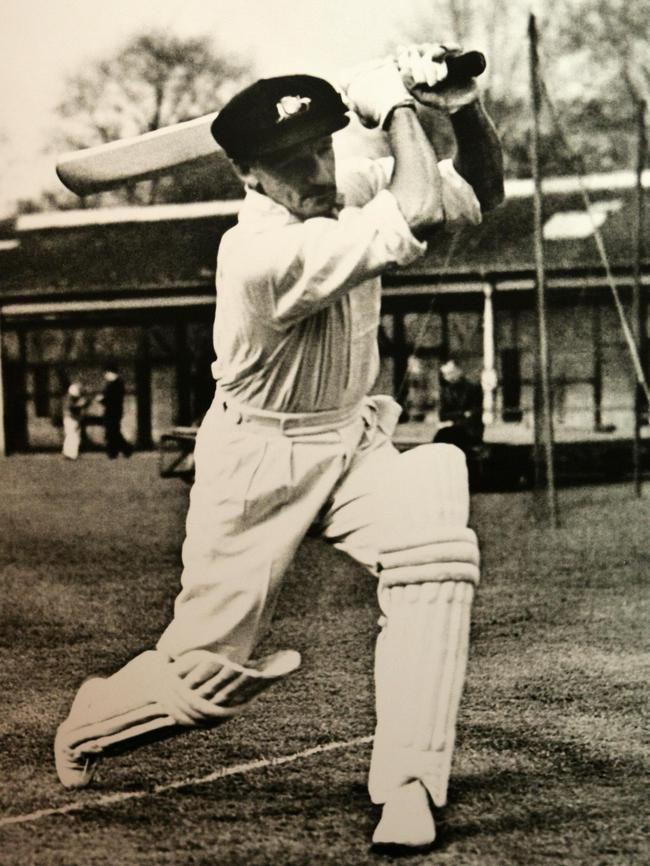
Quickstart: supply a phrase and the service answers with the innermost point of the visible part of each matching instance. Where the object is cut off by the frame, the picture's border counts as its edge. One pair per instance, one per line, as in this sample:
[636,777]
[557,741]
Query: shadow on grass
[572,789]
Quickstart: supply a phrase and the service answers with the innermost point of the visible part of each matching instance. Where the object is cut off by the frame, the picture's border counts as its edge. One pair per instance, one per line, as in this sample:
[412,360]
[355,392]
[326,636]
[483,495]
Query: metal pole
[488,375]
[597,341]
[638,305]
[543,364]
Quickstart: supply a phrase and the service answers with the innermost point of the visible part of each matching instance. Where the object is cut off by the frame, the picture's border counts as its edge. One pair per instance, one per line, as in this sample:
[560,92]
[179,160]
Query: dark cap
[275,113]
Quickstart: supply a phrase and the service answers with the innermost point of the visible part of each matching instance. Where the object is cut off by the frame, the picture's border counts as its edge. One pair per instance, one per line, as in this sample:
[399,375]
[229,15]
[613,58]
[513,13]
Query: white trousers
[257,492]
[71,437]
[260,488]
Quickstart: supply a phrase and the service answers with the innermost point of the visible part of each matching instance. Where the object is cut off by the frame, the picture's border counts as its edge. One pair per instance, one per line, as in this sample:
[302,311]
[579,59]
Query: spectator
[461,409]
[74,403]
[112,398]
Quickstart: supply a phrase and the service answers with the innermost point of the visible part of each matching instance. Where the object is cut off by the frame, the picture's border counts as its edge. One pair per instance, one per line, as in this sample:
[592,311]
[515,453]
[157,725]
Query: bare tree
[613,36]
[596,65]
[155,80]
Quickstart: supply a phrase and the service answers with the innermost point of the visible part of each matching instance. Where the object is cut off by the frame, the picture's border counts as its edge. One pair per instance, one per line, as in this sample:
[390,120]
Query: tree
[613,38]
[597,63]
[155,80]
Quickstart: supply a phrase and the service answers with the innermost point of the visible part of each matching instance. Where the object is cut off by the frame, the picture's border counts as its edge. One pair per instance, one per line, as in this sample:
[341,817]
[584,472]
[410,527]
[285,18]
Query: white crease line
[109,799]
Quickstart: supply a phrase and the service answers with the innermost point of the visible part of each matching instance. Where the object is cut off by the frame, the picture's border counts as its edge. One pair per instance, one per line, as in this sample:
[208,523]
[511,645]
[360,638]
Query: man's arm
[479,158]
[375,90]
[416,181]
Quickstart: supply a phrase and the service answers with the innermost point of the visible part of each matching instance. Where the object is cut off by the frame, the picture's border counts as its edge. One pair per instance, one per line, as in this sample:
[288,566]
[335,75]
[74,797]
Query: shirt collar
[258,207]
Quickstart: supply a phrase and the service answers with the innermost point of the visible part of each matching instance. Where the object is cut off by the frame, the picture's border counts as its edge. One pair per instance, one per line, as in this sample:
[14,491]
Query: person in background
[112,398]
[74,403]
[460,414]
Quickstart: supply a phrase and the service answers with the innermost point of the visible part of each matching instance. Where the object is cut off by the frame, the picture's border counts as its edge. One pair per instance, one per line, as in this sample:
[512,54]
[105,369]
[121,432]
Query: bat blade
[106,166]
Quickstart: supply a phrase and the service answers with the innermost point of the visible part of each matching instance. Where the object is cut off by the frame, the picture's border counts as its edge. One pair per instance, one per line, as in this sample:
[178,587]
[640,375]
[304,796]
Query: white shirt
[298,302]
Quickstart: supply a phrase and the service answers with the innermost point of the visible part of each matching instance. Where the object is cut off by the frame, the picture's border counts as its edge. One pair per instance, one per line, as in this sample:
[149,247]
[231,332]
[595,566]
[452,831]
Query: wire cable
[431,306]
[600,243]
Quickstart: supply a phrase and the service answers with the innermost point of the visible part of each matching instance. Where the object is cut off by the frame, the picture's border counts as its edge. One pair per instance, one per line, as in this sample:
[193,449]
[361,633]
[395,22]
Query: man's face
[302,178]
[451,373]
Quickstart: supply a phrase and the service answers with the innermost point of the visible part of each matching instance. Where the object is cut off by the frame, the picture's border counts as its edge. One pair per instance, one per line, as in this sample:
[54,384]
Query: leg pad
[420,669]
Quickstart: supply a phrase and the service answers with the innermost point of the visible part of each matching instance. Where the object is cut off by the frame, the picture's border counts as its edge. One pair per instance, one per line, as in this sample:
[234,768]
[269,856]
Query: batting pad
[420,666]
[433,492]
[153,697]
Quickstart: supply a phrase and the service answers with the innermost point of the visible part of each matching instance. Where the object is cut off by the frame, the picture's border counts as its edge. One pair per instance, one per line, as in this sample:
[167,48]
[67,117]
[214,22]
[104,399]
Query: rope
[598,237]
[428,313]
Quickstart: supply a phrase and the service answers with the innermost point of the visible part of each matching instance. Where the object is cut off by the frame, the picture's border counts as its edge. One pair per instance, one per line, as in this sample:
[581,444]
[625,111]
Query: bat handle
[461,69]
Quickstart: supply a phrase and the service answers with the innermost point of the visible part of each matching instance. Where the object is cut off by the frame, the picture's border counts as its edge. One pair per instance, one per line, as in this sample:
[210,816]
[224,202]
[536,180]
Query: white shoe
[74,771]
[406,818]
[74,768]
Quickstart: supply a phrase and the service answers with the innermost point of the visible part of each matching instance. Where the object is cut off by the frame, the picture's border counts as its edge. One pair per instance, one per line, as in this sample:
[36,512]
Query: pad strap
[454,558]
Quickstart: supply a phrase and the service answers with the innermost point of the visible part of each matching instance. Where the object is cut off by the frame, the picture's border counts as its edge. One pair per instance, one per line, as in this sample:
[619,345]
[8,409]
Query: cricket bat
[106,166]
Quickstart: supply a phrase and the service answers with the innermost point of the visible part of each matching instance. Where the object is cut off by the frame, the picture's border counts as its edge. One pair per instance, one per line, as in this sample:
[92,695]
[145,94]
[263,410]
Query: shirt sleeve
[361,179]
[459,202]
[315,262]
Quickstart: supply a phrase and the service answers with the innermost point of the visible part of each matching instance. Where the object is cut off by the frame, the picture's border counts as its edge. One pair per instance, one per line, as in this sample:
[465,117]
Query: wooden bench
[176,453]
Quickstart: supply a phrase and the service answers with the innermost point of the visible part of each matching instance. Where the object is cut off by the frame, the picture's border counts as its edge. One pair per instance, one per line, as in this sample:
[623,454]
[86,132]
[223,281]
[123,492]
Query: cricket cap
[275,113]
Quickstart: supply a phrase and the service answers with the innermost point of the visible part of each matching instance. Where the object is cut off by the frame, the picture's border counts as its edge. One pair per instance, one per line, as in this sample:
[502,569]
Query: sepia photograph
[324,432]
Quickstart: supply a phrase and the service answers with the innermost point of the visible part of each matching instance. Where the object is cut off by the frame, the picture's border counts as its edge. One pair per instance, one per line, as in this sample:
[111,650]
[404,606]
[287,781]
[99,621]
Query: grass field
[552,757]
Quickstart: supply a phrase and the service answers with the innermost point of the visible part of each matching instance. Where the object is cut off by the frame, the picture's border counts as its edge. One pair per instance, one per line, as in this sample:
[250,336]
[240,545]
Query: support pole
[19,424]
[183,375]
[488,375]
[597,342]
[543,424]
[143,391]
[638,301]
[400,359]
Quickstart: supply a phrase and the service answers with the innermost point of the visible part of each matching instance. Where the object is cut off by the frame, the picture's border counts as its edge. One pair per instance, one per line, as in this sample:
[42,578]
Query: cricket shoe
[76,768]
[406,819]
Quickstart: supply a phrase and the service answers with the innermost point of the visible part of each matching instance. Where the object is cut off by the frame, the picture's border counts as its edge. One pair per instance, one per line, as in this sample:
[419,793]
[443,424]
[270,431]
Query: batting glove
[373,90]
[424,70]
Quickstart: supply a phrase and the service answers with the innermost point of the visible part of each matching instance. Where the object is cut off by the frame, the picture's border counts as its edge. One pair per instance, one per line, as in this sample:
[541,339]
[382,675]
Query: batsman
[293,443]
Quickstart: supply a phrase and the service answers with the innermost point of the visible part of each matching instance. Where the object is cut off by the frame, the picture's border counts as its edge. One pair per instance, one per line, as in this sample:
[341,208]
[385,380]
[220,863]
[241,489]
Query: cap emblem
[291,106]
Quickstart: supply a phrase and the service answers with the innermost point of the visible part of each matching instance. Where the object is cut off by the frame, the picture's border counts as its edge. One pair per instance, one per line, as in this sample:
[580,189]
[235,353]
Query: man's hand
[423,70]
[374,89]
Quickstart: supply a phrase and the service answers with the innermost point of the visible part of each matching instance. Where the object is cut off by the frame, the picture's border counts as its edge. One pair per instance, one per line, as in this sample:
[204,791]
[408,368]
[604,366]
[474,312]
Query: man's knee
[425,536]
[428,489]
